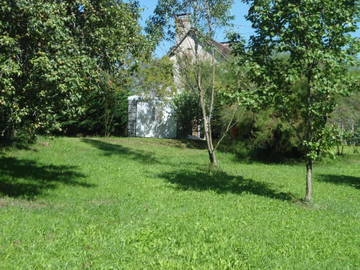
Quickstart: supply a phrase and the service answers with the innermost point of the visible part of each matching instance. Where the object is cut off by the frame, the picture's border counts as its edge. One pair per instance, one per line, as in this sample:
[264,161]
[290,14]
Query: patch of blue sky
[241,25]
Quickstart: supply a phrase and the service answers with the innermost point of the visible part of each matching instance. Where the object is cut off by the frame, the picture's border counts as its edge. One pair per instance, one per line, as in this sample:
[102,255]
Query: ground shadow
[12,144]
[221,182]
[249,157]
[28,179]
[178,143]
[110,149]
[340,180]
[194,144]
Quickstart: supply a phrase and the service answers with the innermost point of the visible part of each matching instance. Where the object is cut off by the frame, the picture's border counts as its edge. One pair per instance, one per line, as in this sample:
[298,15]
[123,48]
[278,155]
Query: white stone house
[154,117]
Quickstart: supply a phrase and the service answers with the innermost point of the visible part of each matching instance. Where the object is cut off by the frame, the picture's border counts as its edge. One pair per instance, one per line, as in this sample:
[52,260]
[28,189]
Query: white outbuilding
[151,118]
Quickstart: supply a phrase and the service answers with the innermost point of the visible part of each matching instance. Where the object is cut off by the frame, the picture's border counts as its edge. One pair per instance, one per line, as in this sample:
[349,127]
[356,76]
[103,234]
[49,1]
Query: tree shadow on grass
[221,182]
[340,180]
[28,179]
[110,149]
[193,144]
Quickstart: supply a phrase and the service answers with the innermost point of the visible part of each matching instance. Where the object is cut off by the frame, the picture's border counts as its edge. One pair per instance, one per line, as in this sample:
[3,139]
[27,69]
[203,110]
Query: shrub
[262,136]
[187,111]
[105,114]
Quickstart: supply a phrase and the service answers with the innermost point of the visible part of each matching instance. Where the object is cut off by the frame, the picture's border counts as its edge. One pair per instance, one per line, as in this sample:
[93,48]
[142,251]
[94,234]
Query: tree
[155,78]
[54,53]
[315,35]
[346,116]
[38,60]
[105,110]
[198,68]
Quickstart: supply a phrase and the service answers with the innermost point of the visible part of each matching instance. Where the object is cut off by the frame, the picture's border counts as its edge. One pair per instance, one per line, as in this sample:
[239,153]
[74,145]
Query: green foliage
[188,112]
[273,139]
[259,132]
[316,37]
[242,81]
[190,71]
[196,66]
[346,116]
[187,103]
[105,114]
[263,136]
[155,78]
[355,139]
[97,204]
[54,55]
[39,62]
[204,14]
[105,110]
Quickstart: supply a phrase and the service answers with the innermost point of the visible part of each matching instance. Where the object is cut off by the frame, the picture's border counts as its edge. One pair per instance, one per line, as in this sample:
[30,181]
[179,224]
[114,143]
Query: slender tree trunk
[338,149]
[207,123]
[211,149]
[309,180]
[208,135]
[213,159]
[309,138]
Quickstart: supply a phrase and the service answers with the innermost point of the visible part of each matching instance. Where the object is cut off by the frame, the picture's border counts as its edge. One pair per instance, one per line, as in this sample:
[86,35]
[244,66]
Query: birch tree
[197,67]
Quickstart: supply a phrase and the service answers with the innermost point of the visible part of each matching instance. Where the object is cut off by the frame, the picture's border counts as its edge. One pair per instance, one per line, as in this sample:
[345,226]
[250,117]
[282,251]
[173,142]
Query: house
[154,117]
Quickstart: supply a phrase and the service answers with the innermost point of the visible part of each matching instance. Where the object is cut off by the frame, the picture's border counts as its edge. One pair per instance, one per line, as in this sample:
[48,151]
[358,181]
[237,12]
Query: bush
[356,137]
[106,113]
[262,136]
[188,112]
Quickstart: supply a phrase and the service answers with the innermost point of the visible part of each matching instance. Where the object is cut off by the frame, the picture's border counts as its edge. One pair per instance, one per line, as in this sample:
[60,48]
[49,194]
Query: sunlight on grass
[130,203]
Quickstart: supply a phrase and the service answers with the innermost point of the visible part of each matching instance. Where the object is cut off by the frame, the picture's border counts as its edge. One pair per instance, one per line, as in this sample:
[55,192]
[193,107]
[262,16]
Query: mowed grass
[130,203]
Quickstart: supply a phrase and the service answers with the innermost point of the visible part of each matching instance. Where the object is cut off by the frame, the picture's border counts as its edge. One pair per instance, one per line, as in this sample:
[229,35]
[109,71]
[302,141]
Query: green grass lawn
[129,203]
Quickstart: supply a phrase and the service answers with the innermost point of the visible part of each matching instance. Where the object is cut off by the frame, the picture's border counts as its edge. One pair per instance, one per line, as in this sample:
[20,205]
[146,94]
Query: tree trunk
[309,181]
[211,149]
[209,141]
[213,159]
[207,124]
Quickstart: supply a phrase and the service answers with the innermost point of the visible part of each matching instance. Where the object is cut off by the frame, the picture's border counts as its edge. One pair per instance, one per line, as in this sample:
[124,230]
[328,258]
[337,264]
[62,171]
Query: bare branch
[228,127]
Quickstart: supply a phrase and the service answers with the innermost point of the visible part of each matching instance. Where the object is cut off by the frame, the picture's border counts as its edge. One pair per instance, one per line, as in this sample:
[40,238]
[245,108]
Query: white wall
[193,49]
[155,119]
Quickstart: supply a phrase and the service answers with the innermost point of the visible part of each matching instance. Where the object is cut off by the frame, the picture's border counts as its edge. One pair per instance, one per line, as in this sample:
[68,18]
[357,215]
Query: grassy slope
[149,204]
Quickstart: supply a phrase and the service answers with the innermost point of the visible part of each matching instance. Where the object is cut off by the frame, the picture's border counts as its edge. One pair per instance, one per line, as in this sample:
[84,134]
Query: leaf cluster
[206,15]
[307,49]
[53,53]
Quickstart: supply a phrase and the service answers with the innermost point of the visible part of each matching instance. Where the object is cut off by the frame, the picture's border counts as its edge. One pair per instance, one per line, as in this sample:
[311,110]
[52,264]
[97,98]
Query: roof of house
[222,47]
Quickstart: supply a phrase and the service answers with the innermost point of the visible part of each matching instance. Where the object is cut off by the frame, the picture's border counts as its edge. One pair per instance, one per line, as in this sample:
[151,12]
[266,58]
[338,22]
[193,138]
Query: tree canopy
[55,52]
[316,38]
[206,15]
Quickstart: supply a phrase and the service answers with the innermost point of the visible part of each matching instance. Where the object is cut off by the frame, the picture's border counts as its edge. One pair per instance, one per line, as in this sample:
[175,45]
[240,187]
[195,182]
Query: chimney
[183,25]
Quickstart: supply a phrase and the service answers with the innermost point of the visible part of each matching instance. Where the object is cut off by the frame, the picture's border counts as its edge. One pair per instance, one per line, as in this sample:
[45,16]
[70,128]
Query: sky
[239,10]
[241,25]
